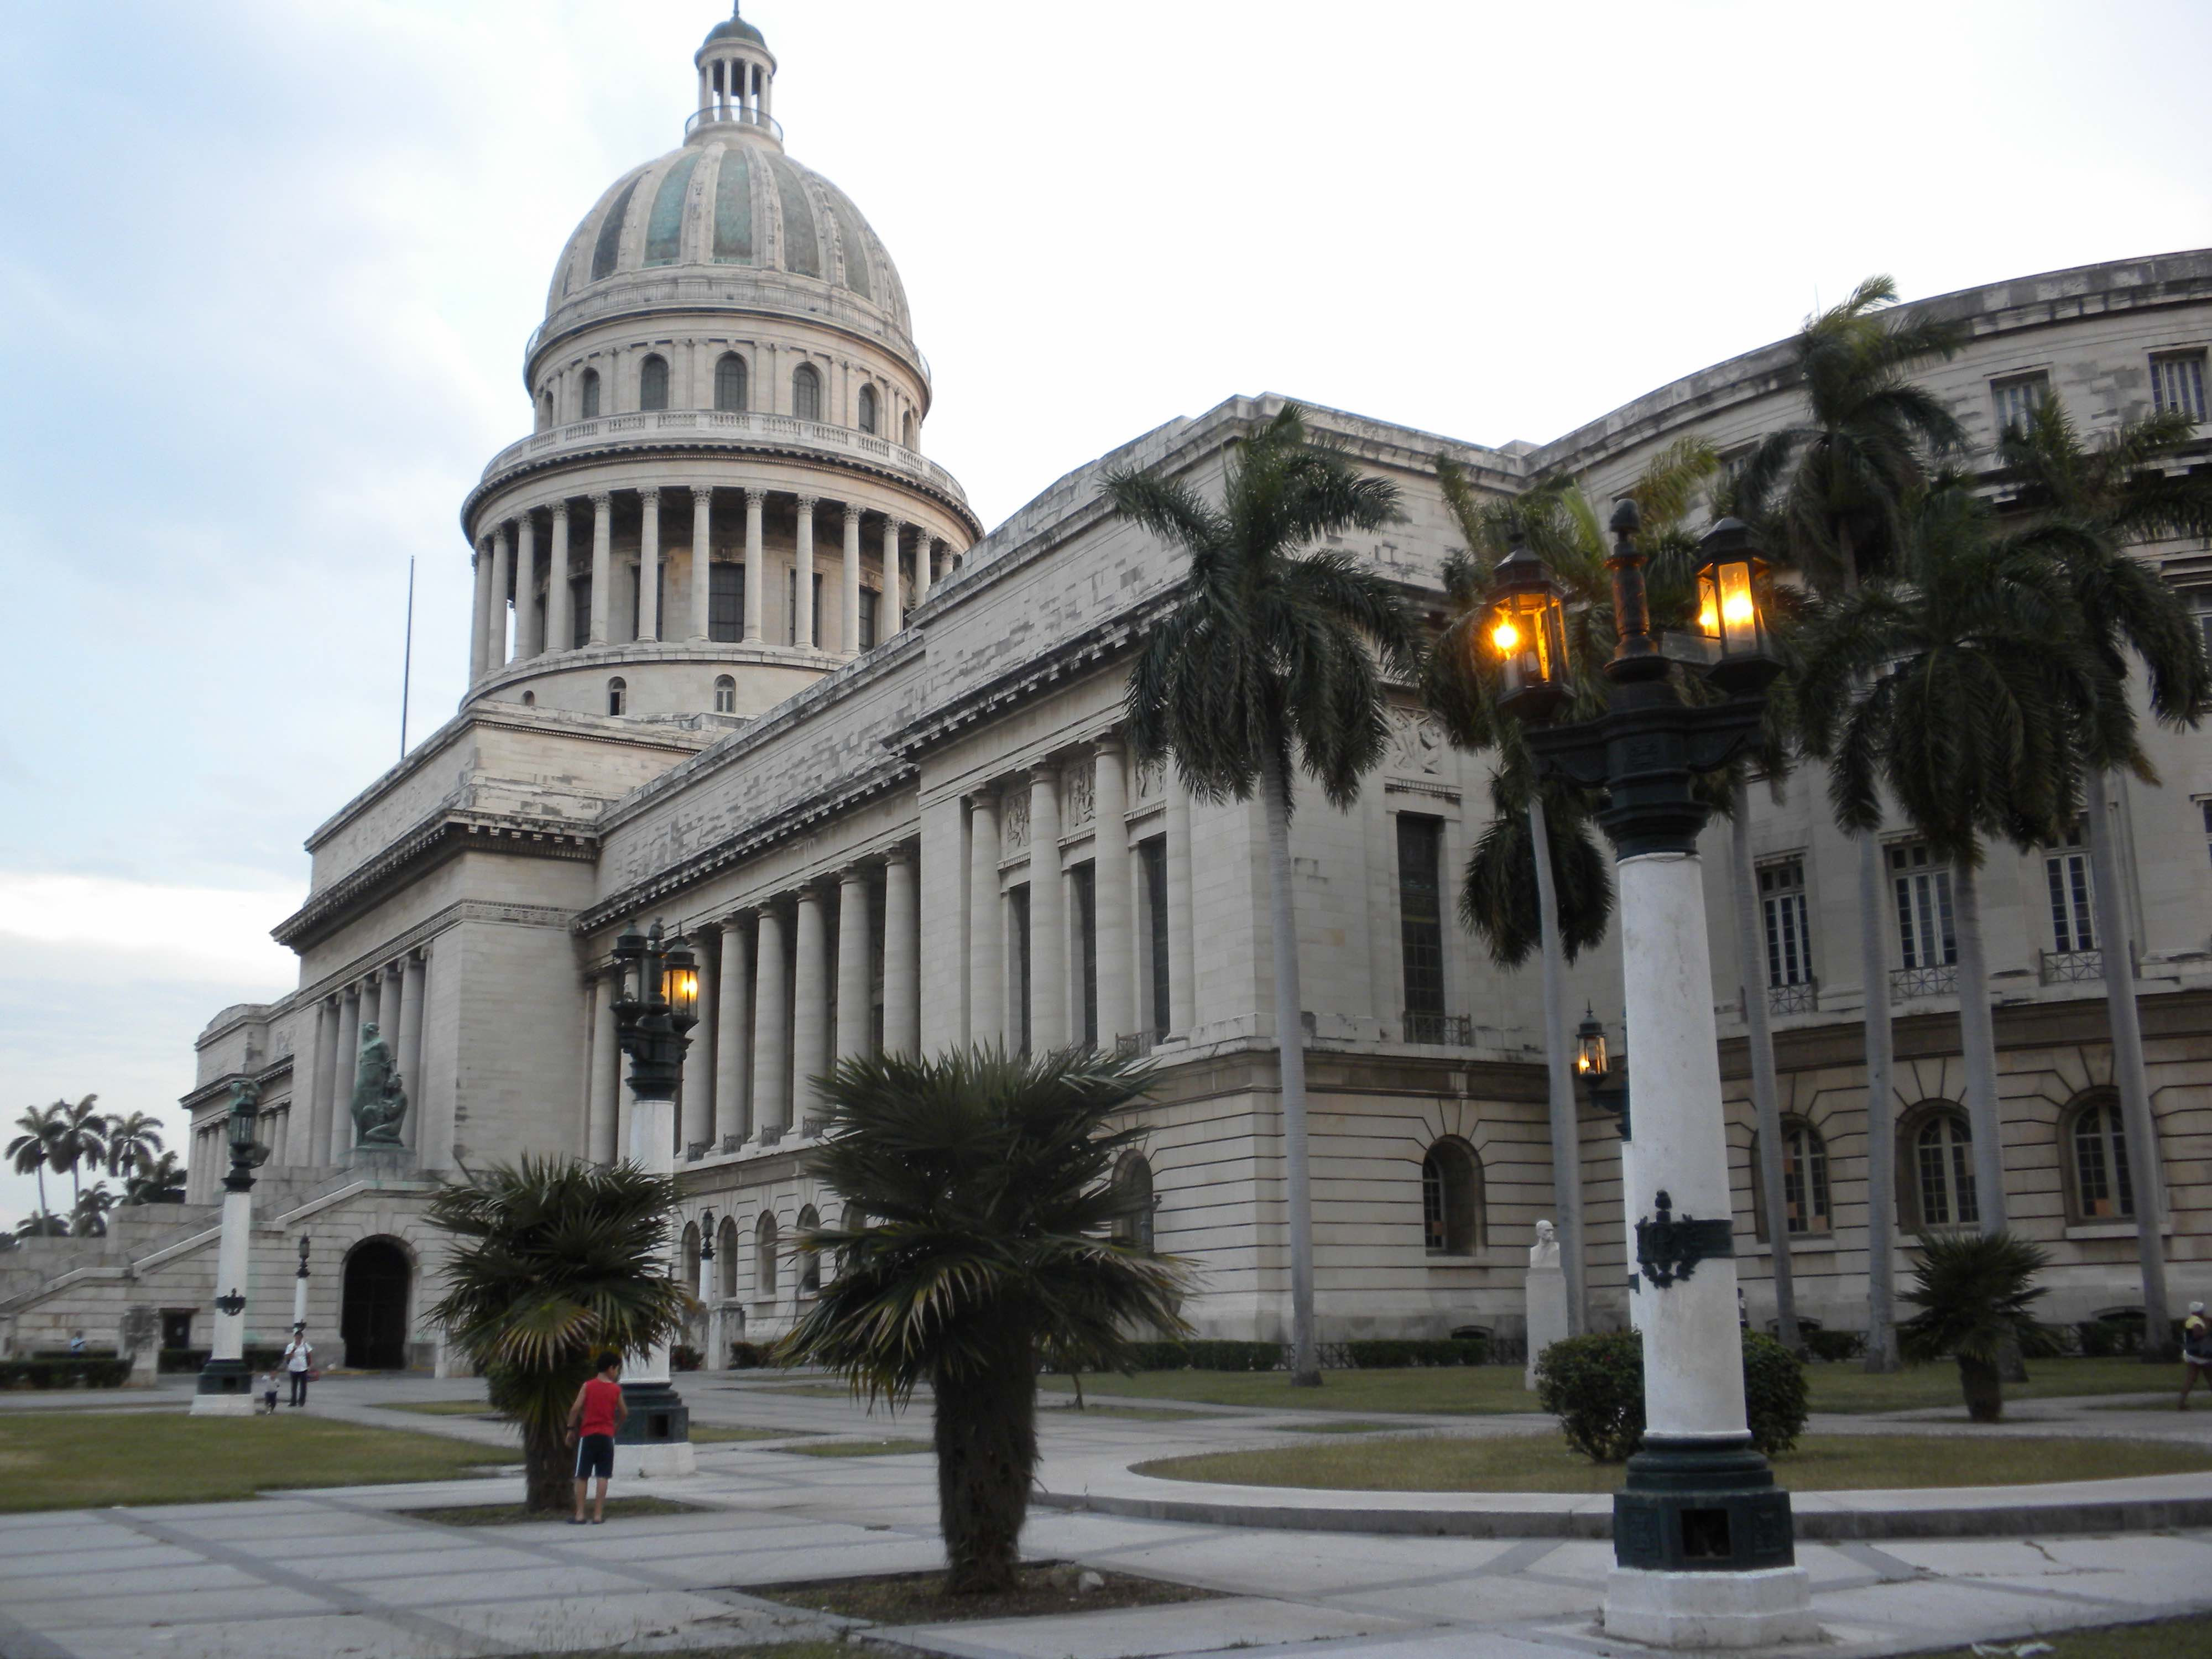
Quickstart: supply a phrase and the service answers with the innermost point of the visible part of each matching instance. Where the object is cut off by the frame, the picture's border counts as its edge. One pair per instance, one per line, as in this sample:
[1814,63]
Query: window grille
[867,630]
[2177,382]
[1943,1190]
[1789,936]
[1805,1203]
[1925,935]
[1420,917]
[726,602]
[2102,1191]
[2066,875]
[2018,399]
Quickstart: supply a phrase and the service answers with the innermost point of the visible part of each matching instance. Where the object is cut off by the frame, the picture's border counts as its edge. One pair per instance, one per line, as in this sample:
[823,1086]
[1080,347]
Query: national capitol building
[744,660]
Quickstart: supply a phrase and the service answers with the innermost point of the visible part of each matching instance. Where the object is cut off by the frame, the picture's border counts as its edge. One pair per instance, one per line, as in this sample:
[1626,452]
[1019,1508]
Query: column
[889,609]
[902,966]
[702,558]
[1109,800]
[346,1060]
[1183,954]
[529,620]
[809,1008]
[852,1033]
[1048,916]
[648,567]
[802,586]
[848,636]
[756,587]
[480,620]
[602,564]
[415,979]
[600,1143]
[923,545]
[311,1094]
[733,1056]
[699,1059]
[502,583]
[987,997]
[771,1054]
[559,597]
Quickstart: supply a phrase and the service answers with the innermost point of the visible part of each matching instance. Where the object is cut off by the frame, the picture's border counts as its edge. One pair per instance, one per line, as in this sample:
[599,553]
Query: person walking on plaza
[265,1386]
[593,1420]
[299,1360]
[2196,1351]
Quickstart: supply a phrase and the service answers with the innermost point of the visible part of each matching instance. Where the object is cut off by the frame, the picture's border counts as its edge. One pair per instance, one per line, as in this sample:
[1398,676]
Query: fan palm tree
[981,1190]
[1272,658]
[38,1147]
[2085,505]
[554,1260]
[83,1137]
[1977,1293]
[88,1217]
[1839,481]
[131,1141]
[44,1225]
[156,1181]
[1973,668]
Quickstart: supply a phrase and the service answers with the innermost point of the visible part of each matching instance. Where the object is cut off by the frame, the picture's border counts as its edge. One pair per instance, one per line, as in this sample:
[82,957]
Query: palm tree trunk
[1881,1117]
[1977,1045]
[987,1453]
[2146,1173]
[1765,1102]
[1290,1044]
[41,1170]
[549,1483]
[1566,1131]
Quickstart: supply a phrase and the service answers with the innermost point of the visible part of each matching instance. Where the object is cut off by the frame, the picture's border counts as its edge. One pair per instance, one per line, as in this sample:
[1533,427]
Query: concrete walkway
[340,1573]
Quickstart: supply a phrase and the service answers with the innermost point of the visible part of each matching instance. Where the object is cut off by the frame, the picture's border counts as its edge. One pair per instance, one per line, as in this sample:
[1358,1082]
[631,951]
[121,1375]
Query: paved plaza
[341,1572]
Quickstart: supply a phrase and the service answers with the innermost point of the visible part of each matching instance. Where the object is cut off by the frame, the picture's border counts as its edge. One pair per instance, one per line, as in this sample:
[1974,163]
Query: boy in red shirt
[593,1420]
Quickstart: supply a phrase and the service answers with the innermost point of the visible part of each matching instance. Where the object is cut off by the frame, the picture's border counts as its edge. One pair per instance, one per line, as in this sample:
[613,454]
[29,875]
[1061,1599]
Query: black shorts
[595,1455]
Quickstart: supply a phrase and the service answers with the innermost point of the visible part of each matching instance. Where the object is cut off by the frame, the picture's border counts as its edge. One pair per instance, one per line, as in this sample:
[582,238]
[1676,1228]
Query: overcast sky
[268,268]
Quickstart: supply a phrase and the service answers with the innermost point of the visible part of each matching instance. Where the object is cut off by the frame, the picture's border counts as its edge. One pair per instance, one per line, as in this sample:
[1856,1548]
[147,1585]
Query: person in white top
[299,1360]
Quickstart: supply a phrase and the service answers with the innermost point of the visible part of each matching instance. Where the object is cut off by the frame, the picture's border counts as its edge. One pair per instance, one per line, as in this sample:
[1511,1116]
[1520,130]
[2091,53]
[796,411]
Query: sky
[269,269]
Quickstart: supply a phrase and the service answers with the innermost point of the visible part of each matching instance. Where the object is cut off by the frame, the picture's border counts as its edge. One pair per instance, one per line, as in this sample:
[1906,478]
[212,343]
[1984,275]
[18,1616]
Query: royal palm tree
[44,1225]
[2085,505]
[38,1147]
[131,1141]
[986,1181]
[1273,658]
[154,1180]
[82,1139]
[88,1217]
[1976,1294]
[556,1260]
[1840,480]
[1972,668]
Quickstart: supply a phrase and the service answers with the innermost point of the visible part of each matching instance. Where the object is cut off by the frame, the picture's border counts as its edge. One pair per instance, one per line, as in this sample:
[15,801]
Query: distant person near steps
[2196,1351]
[299,1361]
[593,1420]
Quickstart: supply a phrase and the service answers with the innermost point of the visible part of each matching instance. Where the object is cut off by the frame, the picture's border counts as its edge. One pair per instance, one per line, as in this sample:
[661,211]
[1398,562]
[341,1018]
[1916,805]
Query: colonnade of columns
[390,996]
[512,567]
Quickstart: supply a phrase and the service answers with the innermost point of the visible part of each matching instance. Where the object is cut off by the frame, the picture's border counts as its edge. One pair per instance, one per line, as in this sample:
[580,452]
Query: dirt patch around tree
[514,1514]
[1047,1589]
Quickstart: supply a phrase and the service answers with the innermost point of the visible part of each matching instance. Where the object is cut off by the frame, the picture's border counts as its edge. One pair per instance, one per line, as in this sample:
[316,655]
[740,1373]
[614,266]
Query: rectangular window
[1082,881]
[580,608]
[726,602]
[2205,807]
[1152,855]
[1788,937]
[1923,885]
[1018,917]
[2017,399]
[2177,382]
[2200,606]
[1420,923]
[867,630]
[2066,875]
[791,609]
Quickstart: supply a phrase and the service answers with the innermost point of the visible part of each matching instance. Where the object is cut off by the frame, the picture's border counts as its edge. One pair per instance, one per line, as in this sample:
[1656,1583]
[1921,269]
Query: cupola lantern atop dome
[737,82]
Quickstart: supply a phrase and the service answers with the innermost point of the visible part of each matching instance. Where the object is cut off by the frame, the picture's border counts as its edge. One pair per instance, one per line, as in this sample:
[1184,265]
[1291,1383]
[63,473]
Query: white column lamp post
[226,1386]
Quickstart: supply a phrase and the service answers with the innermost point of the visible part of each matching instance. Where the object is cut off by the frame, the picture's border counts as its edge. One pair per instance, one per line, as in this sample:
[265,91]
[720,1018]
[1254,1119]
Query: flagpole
[407,657]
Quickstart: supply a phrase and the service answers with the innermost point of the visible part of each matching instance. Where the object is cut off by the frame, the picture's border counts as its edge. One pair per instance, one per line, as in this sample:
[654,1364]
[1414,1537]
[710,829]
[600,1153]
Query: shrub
[1834,1346]
[684,1358]
[1977,1295]
[1594,1386]
[64,1373]
[749,1356]
[259,1357]
[1393,1354]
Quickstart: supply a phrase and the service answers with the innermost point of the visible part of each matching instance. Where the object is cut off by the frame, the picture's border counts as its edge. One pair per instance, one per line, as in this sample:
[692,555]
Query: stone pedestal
[654,1441]
[381,1162]
[1707,1610]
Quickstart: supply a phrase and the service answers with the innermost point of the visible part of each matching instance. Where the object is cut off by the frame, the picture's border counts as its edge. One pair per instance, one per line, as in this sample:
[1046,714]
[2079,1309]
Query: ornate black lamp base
[225,1388]
[1691,1506]
[657,1416]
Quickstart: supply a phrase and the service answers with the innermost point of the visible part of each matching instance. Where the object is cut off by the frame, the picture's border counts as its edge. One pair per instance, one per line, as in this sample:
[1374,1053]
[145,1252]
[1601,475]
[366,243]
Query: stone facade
[942,839]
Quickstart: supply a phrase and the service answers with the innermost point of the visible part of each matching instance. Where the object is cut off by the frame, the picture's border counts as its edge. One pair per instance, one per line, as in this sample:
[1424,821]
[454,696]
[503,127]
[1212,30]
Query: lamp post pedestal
[226,1386]
[655,1442]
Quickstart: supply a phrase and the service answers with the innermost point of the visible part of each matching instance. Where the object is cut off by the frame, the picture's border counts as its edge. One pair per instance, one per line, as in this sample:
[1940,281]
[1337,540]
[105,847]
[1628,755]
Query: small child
[265,1385]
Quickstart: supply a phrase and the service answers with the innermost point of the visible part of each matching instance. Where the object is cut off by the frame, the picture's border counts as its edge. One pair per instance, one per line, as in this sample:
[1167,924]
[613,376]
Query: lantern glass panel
[681,987]
[1589,1052]
[1524,632]
[241,1126]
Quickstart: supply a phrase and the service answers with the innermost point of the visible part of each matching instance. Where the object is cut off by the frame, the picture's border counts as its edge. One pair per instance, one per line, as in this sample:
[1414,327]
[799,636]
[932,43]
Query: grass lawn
[1143,1414]
[1336,1426]
[448,1408]
[715,1434]
[514,1514]
[1847,1388]
[1832,1462]
[859,1449]
[2169,1638]
[80,1460]
[919,1598]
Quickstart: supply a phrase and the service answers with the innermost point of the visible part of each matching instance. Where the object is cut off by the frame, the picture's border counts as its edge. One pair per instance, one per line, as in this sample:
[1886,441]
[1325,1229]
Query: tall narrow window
[2097,1145]
[1788,939]
[764,1258]
[1133,1185]
[2066,877]
[2177,383]
[2017,400]
[868,409]
[1922,884]
[1153,855]
[730,384]
[1941,1170]
[725,1257]
[1451,1199]
[1017,918]
[1082,880]
[1420,926]
[809,1265]
[806,393]
[725,695]
[907,430]
[653,383]
[867,628]
[726,602]
[617,695]
[2200,607]
[580,608]
[591,394]
[1804,1181]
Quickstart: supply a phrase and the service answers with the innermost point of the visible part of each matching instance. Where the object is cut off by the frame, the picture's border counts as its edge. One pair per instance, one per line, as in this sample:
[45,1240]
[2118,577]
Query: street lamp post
[1704,1553]
[706,1288]
[1607,1090]
[656,1005]
[299,1288]
[226,1386]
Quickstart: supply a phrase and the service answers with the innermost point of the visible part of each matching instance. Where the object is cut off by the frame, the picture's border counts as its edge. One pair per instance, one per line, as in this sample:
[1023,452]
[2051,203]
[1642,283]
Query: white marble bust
[1545,1252]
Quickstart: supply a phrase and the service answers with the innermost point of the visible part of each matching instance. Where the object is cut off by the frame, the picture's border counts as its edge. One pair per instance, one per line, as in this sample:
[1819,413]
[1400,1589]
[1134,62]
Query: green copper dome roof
[736,29]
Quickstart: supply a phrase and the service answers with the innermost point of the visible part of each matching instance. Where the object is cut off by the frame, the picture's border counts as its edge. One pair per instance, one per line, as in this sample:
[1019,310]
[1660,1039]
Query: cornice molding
[446,833]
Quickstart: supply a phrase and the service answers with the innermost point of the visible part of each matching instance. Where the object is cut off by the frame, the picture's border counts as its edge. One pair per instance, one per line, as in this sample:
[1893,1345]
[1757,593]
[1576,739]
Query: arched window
[725,695]
[868,409]
[529,700]
[908,429]
[1451,1199]
[617,695]
[726,1256]
[591,405]
[764,1259]
[544,409]
[2095,1145]
[730,383]
[810,1266]
[1133,1183]
[1804,1181]
[1936,1149]
[806,393]
[690,1255]
[653,382]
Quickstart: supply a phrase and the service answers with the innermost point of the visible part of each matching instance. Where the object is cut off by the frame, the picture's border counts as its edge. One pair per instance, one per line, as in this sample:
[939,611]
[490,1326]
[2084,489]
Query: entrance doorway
[373,1320]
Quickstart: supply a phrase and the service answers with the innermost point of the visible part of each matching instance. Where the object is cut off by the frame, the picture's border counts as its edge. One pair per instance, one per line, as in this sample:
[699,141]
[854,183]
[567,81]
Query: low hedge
[1594,1386]
[1833,1345]
[259,1356]
[751,1356]
[2115,1337]
[63,1373]
[90,1353]
[684,1358]
[1395,1353]
[1206,1356]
